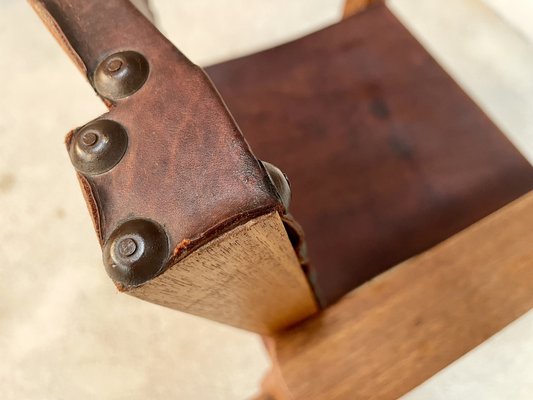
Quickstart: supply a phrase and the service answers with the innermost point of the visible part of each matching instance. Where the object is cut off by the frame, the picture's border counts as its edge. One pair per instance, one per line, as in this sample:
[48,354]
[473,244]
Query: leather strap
[187,167]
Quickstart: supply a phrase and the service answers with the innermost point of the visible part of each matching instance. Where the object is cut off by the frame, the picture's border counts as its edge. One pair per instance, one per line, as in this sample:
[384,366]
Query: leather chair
[387,158]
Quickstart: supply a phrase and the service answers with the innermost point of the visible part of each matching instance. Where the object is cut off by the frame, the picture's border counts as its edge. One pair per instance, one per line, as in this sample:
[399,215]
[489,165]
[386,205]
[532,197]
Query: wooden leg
[273,386]
[352,7]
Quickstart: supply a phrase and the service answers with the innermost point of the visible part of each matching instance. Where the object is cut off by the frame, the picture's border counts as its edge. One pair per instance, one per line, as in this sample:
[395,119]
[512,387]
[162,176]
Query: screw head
[127,247]
[98,146]
[120,75]
[114,64]
[89,138]
[281,183]
[136,252]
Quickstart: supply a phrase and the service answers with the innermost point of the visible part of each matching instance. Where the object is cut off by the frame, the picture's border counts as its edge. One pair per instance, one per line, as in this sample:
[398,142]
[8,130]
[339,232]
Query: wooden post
[352,7]
[249,278]
[186,215]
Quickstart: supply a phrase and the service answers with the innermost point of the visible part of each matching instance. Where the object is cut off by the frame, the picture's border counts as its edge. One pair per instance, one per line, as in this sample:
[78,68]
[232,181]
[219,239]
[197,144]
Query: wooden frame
[395,332]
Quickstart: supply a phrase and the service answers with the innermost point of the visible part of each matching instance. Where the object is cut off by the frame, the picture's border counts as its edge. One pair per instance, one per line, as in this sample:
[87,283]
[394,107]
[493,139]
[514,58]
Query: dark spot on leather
[60,213]
[379,108]
[401,147]
[7,182]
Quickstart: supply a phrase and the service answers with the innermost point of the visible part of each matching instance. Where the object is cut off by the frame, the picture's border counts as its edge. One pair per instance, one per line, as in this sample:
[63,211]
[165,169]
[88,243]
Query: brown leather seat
[387,156]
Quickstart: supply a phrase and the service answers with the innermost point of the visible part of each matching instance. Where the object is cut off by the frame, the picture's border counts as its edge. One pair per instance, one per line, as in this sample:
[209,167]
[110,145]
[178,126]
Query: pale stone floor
[64,331]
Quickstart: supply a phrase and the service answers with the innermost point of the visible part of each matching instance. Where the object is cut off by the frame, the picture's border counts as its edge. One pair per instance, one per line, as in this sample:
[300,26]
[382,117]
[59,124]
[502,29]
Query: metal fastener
[114,64]
[127,247]
[136,252]
[280,182]
[120,75]
[98,146]
[89,138]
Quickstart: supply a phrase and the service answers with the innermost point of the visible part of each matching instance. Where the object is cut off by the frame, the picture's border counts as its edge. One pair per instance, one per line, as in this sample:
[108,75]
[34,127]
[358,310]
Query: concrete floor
[64,331]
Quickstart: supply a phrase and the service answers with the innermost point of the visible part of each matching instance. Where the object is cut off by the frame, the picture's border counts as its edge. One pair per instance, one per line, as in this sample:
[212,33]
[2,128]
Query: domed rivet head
[98,146]
[136,252]
[281,183]
[120,75]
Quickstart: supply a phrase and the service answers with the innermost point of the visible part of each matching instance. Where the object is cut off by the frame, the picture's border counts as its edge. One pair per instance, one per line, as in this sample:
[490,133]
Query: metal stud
[98,146]
[135,252]
[120,75]
[281,183]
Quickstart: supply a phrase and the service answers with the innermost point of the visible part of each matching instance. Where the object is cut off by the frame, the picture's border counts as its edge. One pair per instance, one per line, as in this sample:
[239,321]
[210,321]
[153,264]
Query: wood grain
[249,278]
[398,330]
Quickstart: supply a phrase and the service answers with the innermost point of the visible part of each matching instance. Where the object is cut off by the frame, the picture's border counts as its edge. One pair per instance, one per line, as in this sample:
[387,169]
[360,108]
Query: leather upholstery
[387,156]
